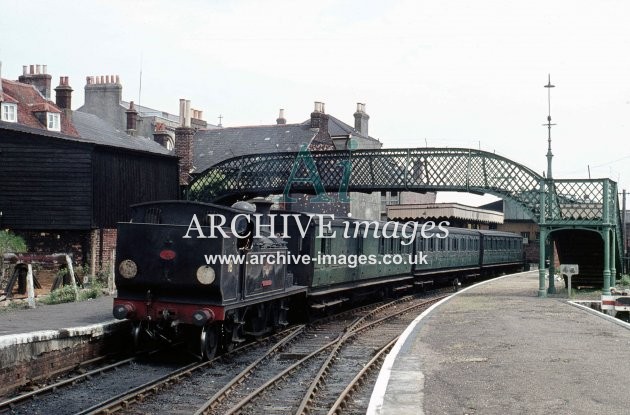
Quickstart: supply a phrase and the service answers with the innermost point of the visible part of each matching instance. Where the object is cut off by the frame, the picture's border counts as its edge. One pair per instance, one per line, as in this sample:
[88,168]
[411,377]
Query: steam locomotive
[220,274]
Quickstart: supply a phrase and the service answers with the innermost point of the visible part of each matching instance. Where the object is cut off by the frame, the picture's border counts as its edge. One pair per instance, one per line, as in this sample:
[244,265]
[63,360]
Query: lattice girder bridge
[556,205]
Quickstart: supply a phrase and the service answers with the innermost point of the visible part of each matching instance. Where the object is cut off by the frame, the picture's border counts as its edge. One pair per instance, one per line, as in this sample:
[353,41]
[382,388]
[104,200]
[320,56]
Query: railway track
[241,380]
[348,361]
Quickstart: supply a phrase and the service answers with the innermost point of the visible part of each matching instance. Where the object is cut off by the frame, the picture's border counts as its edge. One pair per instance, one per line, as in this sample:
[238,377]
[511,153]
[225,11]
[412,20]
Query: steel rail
[340,403]
[72,380]
[218,397]
[138,393]
[354,330]
[350,331]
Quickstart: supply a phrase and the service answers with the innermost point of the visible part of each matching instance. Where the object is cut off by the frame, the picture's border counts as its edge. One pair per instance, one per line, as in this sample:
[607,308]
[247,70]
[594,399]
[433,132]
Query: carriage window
[360,245]
[462,244]
[326,244]
[454,244]
[442,245]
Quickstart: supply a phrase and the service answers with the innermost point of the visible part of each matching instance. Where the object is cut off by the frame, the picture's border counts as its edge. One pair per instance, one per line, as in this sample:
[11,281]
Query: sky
[431,73]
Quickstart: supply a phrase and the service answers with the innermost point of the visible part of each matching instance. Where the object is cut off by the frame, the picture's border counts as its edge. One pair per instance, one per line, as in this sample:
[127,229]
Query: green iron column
[542,292]
[613,256]
[606,236]
[552,267]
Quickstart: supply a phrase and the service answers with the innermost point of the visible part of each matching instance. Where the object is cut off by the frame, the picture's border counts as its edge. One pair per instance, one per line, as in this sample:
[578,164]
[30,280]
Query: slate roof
[336,128]
[150,112]
[213,146]
[133,143]
[98,131]
[29,100]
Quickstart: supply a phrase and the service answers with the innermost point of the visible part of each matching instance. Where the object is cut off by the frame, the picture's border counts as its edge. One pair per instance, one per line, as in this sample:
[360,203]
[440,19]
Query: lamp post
[552,288]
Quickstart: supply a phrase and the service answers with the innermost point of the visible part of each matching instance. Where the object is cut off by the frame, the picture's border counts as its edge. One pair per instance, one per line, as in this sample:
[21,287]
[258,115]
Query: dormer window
[53,121]
[8,112]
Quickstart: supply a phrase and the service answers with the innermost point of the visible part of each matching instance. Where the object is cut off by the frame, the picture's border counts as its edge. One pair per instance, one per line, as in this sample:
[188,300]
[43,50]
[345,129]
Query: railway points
[496,348]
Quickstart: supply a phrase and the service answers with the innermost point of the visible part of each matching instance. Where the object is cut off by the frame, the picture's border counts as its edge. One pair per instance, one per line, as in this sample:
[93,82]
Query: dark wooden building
[67,193]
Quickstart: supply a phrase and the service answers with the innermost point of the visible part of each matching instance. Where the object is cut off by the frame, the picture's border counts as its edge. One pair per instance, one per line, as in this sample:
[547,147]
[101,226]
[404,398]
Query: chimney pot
[24,69]
[31,69]
[117,79]
[281,119]
[44,69]
[182,111]
[187,114]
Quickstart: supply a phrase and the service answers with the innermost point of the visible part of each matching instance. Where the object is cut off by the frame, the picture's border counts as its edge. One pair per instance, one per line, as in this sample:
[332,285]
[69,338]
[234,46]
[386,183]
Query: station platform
[53,338]
[497,348]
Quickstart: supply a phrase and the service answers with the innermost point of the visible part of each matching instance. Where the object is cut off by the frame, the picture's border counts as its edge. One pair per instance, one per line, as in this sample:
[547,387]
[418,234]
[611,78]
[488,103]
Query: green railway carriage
[351,258]
[500,249]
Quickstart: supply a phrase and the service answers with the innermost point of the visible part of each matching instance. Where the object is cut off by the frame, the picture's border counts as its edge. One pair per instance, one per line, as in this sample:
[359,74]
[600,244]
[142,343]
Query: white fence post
[73,281]
[30,287]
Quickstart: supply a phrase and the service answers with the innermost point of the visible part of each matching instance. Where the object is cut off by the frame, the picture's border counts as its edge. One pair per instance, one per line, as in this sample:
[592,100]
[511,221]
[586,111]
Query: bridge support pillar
[606,273]
[613,270]
[552,267]
[542,292]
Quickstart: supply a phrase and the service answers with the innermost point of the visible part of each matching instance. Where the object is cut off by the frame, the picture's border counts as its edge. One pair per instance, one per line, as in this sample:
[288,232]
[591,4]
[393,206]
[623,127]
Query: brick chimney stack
[184,143]
[103,95]
[37,76]
[318,115]
[361,120]
[281,119]
[132,119]
[63,94]
[161,135]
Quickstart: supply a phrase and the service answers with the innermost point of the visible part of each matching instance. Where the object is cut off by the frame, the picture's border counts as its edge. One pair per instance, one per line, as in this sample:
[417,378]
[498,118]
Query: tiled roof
[213,146]
[29,101]
[98,131]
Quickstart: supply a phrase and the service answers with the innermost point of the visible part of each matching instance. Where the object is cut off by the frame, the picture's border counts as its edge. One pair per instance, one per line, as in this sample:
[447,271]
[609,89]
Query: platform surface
[57,317]
[499,349]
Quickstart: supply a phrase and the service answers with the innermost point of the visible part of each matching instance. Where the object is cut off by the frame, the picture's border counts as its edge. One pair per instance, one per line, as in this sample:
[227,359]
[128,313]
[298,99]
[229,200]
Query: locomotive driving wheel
[139,335]
[209,342]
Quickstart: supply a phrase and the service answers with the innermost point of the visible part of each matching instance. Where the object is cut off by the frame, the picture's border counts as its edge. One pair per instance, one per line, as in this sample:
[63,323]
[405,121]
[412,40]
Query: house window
[53,122]
[9,112]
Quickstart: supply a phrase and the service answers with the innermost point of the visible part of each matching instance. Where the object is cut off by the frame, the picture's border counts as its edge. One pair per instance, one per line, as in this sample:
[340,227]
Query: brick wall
[42,366]
[103,242]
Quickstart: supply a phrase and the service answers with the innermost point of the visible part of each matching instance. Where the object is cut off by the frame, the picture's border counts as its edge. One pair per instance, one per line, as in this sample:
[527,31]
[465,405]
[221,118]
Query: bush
[624,281]
[60,295]
[96,290]
[9,242]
